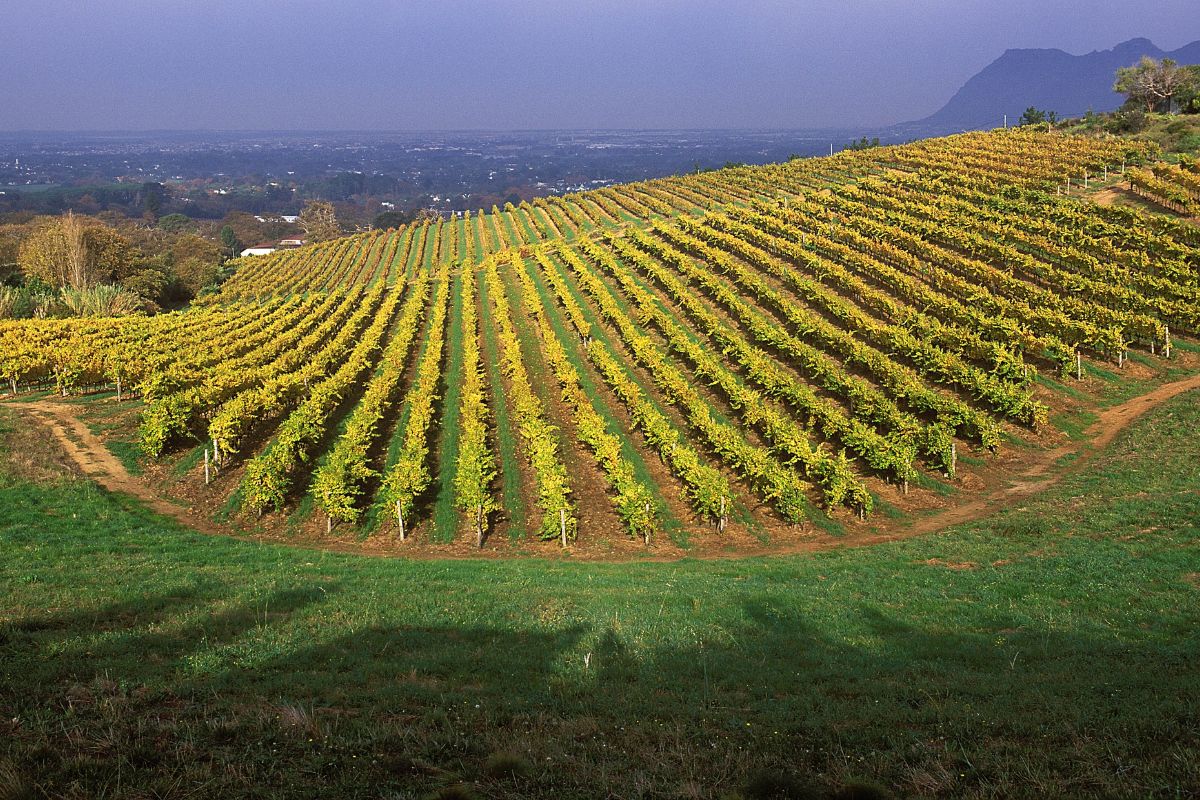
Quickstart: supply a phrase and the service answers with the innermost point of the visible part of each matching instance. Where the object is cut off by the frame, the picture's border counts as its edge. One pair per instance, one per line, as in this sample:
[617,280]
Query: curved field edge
[1048,651]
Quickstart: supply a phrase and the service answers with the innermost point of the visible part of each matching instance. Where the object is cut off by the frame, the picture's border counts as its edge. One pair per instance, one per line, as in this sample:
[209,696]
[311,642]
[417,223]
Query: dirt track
[87,452]
[97,462]
[1036,477]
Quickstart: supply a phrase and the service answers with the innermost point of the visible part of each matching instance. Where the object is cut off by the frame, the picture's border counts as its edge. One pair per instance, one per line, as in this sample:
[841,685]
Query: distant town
[207,175]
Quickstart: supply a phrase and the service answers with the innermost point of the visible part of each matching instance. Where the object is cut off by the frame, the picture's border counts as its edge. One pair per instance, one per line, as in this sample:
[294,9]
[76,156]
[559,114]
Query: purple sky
[505,64]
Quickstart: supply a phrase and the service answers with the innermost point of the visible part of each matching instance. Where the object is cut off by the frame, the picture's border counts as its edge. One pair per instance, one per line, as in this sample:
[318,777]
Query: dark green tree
[1037,116]
[152,197]
[175,223]
[1188,97]
[390,219]
[863,144]
[229,241]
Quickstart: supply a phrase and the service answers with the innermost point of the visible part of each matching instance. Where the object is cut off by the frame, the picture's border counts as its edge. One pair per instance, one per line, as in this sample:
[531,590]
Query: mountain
[1048,79]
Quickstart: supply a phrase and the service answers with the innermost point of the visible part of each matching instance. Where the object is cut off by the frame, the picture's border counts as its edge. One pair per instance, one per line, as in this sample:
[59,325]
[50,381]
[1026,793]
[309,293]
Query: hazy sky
[505,64]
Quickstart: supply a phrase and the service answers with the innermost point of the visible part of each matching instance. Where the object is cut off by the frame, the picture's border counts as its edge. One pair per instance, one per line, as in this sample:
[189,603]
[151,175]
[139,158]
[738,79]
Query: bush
[34,300]
[1189,143]
[1127,122]
[101,301]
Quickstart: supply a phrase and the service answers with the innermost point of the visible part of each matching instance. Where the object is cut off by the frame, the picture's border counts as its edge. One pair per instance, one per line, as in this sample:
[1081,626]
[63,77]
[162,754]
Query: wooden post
[479,527]
[647,527]
[216,456]
[1166,342]
[562,525]
[1085,179]
[953,458]
[400,520]
[1078,366]
[1106,172]
[328,523]
[721,519]
[118,388]
[207,475]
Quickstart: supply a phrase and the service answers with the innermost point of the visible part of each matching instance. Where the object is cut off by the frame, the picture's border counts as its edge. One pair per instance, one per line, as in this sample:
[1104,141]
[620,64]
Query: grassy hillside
[1046,652]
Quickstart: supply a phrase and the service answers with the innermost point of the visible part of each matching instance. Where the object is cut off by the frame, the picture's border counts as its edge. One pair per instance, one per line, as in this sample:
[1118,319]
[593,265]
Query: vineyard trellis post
[1078,365]
[400,520]
[562,525]
[207,475]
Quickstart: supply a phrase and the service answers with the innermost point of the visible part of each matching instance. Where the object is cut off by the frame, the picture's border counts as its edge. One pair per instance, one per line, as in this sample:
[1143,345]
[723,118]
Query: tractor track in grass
[88,453]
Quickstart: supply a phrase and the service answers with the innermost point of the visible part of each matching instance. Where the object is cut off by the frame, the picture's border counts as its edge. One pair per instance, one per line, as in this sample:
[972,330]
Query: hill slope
[758,356]
[1048,79]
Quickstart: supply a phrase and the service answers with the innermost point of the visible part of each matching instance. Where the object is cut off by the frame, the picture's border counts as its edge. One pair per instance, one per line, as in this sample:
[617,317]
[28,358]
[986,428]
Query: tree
[152,197]
[195,262]
[863,144]
[1037,116]
[390,219]
[229,239]
[175,223]
[319,221]
[1032,116]
[1152,84]
[75,251]
[1188,96]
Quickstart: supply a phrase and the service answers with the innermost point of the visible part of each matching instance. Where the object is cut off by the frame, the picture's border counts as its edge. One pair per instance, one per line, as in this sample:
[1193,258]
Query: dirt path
[97,462]
[86,450]
[1034,478]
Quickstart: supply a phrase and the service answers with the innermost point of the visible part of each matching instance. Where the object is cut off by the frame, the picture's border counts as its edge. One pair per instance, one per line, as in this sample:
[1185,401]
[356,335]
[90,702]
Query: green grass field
[1050,652]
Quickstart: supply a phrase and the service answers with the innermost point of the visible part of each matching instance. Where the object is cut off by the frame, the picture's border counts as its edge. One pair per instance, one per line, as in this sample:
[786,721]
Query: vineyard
[743,355]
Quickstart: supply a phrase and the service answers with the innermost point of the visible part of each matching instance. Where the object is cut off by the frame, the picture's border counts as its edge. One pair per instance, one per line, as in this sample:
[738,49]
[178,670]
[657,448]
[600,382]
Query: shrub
[101,301]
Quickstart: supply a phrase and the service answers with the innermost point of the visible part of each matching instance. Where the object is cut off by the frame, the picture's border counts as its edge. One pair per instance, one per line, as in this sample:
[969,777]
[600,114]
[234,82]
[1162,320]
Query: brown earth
[89,455]
[1043,470]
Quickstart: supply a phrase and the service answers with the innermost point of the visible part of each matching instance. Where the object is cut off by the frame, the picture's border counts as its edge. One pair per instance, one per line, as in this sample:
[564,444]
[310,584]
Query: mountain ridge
[1047,78]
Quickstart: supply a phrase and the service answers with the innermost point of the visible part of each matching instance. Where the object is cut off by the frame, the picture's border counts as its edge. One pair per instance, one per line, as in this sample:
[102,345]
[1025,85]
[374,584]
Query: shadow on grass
[267,692]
